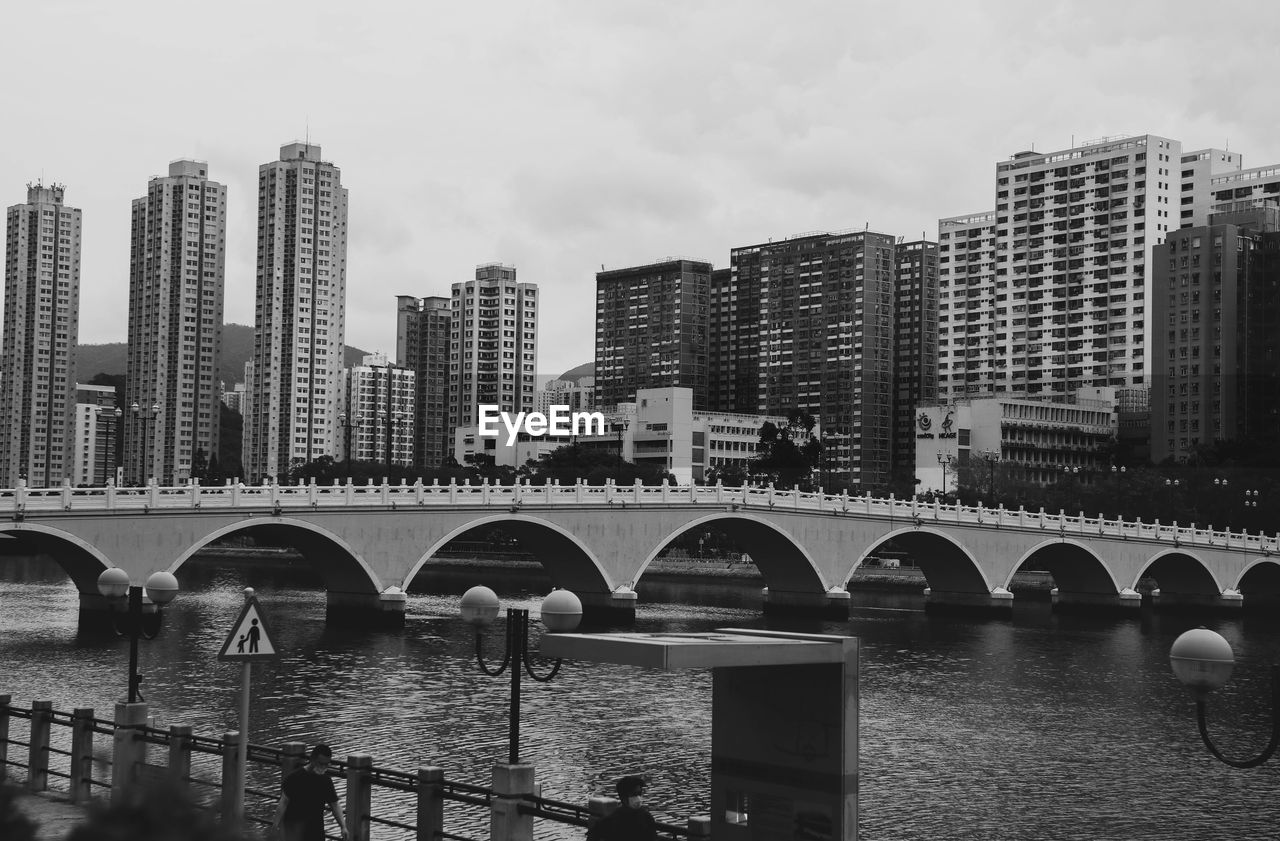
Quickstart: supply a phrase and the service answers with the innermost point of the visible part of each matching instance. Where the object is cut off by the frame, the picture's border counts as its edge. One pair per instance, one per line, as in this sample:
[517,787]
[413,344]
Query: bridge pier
[604,610]
[1227,602]
[998,603]
[367,610]
[97,612]
[1126,602]
[832,605]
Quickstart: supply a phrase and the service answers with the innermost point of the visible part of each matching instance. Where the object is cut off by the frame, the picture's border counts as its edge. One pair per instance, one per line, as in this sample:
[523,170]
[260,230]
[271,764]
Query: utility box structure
[784,726]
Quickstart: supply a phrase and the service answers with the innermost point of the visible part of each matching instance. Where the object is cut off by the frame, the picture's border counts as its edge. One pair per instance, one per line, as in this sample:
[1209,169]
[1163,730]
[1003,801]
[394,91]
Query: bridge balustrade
[18,501]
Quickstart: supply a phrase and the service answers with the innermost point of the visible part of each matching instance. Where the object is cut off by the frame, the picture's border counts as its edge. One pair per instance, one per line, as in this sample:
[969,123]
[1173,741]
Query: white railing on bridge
[21,501]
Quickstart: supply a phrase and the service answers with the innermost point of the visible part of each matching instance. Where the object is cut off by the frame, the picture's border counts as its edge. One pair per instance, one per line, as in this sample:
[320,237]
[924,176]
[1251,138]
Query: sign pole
[249,640]
[242,758]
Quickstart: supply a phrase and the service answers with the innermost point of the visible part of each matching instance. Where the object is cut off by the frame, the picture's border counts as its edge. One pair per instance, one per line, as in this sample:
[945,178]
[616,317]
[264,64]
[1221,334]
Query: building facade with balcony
[423,328]
[177,263]
[38,351]
[808,324]
[651,329]
[96,429]
[1217,304]
[915,356]
[299,340]
[493,345]
[1036,438]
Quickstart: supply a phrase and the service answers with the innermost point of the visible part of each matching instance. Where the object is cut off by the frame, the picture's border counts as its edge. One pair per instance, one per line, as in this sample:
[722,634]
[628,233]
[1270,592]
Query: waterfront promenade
[54,815]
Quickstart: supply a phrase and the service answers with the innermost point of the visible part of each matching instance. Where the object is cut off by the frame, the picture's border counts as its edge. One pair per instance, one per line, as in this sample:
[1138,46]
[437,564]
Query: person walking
[631,821]
[305,793]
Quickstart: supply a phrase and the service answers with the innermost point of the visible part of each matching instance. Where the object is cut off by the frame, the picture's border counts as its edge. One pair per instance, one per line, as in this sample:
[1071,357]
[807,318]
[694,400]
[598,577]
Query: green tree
[788,454]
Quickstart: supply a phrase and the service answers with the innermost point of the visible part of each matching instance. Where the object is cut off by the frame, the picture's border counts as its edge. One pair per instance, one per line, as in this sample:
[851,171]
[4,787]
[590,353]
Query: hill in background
[237,349]
[587,369]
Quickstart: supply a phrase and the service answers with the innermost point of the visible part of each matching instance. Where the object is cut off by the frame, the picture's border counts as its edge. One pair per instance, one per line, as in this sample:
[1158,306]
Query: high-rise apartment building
[493,345]
[422,346]
[651,330]
[177,260]
[41,329]
[1053,294]
[1217,311]
[809,325]
[915,366]
[291,407]
[377,412]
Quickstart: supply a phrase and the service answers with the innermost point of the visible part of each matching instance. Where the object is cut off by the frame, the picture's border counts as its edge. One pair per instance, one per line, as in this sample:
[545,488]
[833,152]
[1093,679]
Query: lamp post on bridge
[561,611]
[992,458]
[1203,661]
[1117,473]
[346,437]
[161,588]
[147,416]
[945,460]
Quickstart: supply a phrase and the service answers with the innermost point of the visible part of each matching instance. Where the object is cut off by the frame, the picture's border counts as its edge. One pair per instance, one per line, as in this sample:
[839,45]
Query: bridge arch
[947,564]
[1259,581]
[564,556]
[82,561]
[1180,571]
[784,563]
[341,568]
[1074,566]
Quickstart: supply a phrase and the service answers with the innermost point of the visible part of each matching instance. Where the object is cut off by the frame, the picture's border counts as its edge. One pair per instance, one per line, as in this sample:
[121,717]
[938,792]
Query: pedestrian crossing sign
[249,638]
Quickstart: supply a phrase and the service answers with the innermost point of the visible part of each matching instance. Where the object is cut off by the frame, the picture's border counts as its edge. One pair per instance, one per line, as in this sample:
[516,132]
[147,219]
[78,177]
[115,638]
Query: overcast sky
[557,137]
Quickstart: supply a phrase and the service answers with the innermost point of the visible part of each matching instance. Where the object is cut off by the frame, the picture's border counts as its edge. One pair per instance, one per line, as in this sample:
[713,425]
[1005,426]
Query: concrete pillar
[699,826]
[4,737]
[833,604]
[430,803]
[1126,602]
[232,806]
[38,745]
[292,757]
[367,610]
[359,795]
[608,609]
[1227,602]
[78,788]
[180,754]
[510,784]
[997,603]
[129,749]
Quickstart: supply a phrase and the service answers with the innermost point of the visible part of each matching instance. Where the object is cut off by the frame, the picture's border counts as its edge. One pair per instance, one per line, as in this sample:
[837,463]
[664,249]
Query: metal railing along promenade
[421,805]
[280,499]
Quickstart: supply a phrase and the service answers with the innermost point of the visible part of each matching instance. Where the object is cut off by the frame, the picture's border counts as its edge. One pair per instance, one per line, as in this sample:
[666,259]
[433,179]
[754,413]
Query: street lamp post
[945,461]
[1203,661]
[561,611]
[1171,486]
[1117,473]
[161,589]
[346,437]
[1250,504]
[992,458]
[147,416]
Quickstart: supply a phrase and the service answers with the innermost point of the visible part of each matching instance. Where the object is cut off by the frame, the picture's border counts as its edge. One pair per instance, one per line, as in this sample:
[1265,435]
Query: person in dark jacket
[304,795]
[631,821]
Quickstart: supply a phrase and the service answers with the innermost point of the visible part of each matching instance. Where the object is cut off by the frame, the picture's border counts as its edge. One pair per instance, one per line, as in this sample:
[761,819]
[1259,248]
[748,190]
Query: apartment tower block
[651,330]
[177,259]
[41,328]
[299,341]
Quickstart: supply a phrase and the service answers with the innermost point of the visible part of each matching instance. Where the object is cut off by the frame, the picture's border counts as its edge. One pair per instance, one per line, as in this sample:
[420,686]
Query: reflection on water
[1041,727]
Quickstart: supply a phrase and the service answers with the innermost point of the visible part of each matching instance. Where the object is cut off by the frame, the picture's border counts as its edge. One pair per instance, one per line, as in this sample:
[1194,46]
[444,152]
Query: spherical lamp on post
[114,585]
[561,612]
[1203,661]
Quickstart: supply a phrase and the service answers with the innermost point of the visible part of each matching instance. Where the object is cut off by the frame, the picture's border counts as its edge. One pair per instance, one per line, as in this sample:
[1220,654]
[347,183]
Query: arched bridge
[368,542]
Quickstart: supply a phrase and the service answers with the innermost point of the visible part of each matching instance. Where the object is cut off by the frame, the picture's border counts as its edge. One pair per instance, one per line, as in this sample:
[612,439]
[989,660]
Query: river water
[1039,727]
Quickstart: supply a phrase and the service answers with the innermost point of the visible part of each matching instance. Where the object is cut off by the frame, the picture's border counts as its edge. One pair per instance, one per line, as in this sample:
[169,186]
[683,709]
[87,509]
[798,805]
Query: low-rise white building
[1041,437]
[659,429]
